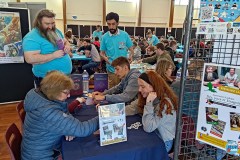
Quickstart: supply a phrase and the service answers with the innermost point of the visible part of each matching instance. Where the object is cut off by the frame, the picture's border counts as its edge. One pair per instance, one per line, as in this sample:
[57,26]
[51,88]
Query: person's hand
[106,59]
[97,132]
[67,48]
[69,138]
[97,105]
[87,53]
[130,58]
[81,99]
[96,93]
[151,96]
[99,97]
[140,60]
[80,53]
[58,54]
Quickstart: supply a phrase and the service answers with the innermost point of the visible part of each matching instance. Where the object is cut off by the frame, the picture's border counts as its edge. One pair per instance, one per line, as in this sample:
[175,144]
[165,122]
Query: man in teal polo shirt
[115,43]
[97,33]
[152,39]
[45,48]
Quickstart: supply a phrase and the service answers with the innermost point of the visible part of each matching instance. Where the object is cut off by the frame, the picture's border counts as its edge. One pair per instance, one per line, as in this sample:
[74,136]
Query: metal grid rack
[220,49]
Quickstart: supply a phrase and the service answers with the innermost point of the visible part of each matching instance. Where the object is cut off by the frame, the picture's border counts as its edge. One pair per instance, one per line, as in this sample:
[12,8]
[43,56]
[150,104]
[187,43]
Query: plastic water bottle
[85,77]
[178,75]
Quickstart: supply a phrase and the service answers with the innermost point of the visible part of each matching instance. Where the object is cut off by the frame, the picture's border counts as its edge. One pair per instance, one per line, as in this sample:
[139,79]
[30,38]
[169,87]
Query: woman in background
[165,68]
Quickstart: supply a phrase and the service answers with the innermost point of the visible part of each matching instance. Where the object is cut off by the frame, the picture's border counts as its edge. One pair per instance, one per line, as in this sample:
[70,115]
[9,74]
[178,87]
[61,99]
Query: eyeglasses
[66,92]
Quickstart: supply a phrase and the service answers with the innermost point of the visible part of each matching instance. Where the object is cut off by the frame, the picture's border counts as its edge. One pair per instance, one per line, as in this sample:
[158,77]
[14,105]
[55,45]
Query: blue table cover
[139,146]
[79,57]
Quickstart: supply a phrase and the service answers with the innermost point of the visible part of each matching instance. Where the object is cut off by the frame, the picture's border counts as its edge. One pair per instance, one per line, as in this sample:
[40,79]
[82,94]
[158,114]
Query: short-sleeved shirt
[33,41]
[154,40]
[97,34]
[115,46]
[213,78]
[231,78]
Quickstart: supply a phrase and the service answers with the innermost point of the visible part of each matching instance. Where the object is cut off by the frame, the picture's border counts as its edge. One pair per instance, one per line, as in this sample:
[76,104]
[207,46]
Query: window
[185,2]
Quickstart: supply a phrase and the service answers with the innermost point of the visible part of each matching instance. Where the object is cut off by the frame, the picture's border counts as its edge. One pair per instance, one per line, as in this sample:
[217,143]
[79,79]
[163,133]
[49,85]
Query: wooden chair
[21,113]
[13,139]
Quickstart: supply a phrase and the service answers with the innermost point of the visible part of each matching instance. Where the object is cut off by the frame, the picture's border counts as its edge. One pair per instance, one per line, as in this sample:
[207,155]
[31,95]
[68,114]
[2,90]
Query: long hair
[54,83]
[37,23]
[162,66]
[163,91]
[42,13]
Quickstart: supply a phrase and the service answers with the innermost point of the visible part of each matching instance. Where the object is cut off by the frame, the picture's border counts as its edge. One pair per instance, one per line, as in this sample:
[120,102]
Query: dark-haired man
[45,48]
[115,43]
[97,33]
[127,90]
[90,51]
[160,53]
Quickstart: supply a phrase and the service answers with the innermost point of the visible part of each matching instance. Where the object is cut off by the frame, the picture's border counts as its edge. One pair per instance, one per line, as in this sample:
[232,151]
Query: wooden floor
[8,115]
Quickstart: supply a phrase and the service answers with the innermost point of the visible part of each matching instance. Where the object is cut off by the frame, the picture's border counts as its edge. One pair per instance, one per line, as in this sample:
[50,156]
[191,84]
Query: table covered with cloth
[139,145]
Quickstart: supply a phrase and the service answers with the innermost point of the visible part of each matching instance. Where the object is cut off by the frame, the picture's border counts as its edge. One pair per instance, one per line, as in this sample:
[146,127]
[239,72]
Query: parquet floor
[8,115]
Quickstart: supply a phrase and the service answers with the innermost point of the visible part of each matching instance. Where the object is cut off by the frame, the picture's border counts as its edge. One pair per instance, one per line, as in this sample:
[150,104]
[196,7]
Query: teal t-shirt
[33,41]
[154,40]
[115,46]
[97,34]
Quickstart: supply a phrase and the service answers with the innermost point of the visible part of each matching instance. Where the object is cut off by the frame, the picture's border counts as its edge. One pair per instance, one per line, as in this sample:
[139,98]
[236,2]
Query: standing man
[97,33]
[45,48]
[115,43]
[152,39]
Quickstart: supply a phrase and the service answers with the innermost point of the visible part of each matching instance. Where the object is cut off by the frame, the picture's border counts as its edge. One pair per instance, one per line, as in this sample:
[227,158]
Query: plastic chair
[21,111]
[13,139]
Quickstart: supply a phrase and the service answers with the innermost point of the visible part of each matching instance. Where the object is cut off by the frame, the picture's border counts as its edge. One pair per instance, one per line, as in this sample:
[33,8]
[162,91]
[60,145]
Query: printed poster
[224,10]
[224,28]
[10,38]
[215,12]
[219,108]
[112,123]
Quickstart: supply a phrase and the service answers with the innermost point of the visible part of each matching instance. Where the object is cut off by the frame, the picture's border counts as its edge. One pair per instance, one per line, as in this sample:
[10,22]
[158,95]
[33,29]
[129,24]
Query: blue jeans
[168,145]
[89,67]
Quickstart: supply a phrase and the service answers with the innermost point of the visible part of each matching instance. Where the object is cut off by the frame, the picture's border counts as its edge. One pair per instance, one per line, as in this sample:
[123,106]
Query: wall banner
[215,12]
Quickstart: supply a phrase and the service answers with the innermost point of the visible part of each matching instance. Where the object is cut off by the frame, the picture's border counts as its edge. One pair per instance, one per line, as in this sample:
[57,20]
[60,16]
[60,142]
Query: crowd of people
[152,94]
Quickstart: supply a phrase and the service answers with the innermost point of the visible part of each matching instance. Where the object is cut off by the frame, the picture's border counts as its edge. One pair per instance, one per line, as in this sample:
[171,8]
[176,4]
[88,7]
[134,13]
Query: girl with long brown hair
[159,106]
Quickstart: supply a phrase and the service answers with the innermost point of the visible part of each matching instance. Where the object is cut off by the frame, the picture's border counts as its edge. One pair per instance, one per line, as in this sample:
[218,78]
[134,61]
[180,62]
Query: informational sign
[219,28]
[10,38]
[219,17]
[112,123]
[219,108]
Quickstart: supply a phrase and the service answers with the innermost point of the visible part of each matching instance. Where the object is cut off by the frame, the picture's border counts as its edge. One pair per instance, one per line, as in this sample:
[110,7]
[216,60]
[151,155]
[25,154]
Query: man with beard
[90,51]
[45,48]
[210,76]
[115,43]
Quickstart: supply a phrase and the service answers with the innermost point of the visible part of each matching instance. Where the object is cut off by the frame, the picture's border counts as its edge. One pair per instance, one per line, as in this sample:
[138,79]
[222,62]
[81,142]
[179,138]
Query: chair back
[13,139]
[21,112]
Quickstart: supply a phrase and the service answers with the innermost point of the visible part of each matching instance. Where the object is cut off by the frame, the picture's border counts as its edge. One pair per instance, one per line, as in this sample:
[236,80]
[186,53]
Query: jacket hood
[34,99]
[133,72]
